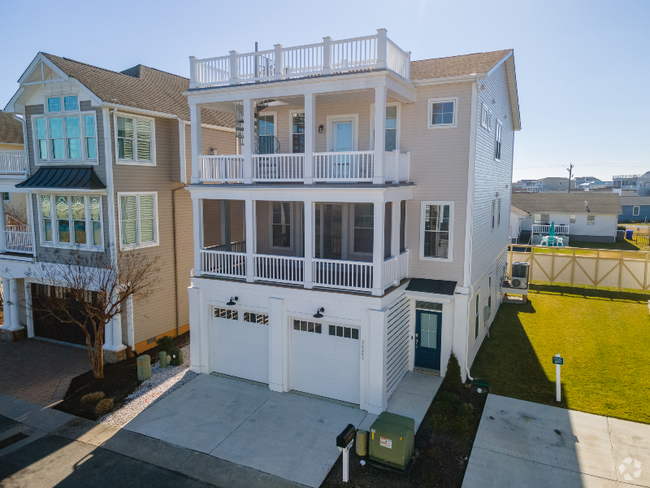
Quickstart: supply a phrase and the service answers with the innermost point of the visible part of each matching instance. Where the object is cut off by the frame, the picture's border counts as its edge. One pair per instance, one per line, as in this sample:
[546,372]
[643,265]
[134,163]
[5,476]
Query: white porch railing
[344,166]
[222,168]
[12,163]
[239,246]
[223,263]
[395,269]
[348,275]
[398,166]
[545,229]
[329,56]
[18,238]
[280,269]
[279,167]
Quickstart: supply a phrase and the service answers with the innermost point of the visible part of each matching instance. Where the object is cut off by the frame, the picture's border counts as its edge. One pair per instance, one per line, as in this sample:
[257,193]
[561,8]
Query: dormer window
[63,104]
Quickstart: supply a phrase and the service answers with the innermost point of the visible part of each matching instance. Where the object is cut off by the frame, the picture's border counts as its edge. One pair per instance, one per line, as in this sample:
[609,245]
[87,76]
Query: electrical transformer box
[391,440]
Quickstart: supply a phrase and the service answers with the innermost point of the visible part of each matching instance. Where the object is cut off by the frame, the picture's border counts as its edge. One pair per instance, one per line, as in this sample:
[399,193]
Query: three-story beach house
[360,229]
[103,171]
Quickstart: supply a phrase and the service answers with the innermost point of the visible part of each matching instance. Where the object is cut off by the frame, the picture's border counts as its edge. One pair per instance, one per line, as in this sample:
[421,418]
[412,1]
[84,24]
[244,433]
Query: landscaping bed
[119,381]
[444,442]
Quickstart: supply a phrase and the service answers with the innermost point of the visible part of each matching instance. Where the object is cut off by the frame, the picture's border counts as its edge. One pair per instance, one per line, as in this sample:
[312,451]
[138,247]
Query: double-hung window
[591,219]
[442,113]
[297,132]
[138,220]
[636,210]
[281,224]
[64,133]
[363,227]
[435,235]
[71,220]
[572,219]
[497,141]
[135,140]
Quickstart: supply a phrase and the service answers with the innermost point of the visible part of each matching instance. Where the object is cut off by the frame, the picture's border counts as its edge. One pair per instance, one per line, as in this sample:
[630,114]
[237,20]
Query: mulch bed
[443,453]
[119,381]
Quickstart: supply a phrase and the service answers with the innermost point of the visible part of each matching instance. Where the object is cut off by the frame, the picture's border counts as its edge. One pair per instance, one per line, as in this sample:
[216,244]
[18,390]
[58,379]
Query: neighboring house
[527,186]
[584,216]
[517,217]
[12,164]
[11,133]
[635,208]
[362,230]
[627,182]
[107,158]
[554,183]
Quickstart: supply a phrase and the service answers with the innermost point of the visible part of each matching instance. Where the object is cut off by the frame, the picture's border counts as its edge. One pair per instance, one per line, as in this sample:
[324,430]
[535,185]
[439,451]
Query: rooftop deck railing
[12,163]
[327,57]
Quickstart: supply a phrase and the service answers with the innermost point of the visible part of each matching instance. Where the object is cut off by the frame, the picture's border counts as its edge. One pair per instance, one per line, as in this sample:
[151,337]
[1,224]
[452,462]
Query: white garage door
[241,344]
[325,360]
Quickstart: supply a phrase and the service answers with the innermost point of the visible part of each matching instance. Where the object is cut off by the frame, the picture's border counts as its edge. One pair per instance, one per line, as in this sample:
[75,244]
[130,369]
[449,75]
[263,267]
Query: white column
[197,221]
[195,127]
[15,317]
[117,333]
[108,336]
[382,47]
[28,309]
[234,67]
[378,249]
[248,148]
[327,55]
[3,227]
[463,326]
[6,308]
[277,350]
[193,72]
[251,239]
[279,62]
[376,400]
[310,137]
[380,133]
[309,244]
[394,237]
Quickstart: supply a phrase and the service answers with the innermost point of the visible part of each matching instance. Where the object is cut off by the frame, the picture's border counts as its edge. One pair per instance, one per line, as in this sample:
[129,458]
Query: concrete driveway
[527,444]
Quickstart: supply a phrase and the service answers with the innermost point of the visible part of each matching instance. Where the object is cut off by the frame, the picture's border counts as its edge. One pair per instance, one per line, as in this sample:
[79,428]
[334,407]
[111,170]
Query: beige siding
[185,251]
[439,166]
[11,147]
[263,217]
[222,141]
[492,176]
[211,223]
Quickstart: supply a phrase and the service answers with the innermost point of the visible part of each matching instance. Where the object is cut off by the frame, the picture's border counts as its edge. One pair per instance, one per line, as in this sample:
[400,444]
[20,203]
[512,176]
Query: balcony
[560,229]
[325,167]
[12,164]
[280,63]
[19,238]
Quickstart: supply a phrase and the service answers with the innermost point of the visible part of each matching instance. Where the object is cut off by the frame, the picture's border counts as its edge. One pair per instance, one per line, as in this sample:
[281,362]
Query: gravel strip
[161,384]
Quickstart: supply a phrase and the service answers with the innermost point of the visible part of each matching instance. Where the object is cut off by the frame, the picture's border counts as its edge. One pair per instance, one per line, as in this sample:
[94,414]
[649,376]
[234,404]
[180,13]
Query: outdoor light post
[558,361]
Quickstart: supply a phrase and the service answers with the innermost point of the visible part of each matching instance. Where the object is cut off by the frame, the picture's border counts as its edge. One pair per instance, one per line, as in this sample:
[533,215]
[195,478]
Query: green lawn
[603,336]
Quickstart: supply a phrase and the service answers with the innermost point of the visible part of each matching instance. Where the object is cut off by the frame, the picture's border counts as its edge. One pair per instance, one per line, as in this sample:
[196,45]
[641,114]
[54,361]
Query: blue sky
[581,66]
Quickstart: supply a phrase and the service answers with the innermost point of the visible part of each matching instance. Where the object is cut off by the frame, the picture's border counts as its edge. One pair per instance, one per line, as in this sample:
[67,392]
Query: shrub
[439,423]
[443,407]
[453,381]
[104,406]
[166,343]
[447,396]
[92,397]
[460,425]
[466,411]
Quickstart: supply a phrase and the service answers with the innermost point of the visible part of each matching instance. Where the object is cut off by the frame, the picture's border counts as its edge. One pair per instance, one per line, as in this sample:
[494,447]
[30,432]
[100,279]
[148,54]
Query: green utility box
[144,367]
[391,440]
[177,357]
[162,359]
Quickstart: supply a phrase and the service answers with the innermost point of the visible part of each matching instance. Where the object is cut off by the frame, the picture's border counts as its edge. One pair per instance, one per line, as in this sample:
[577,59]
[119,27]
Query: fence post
[620,272]
[573,265]
[645,273]
[279,62]
[382,48]
[192,71]
[596,277]
[552,265]
[327,55]
[234,67]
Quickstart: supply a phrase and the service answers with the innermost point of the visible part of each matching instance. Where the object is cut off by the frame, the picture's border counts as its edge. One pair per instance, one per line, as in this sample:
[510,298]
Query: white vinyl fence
[600,268]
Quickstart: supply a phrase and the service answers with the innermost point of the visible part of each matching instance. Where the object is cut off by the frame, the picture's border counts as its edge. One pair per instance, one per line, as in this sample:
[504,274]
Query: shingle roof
[518,210]
[467,64]
[140,87]
[603,203]
[11,130]
[634,200]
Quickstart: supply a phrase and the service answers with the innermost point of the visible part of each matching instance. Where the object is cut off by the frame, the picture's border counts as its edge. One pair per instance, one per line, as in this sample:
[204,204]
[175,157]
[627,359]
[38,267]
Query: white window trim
[572,219]
[399,123]
[352,210]
[291,217]
[275,127]
[291,114]
[61,96]
[55,115]
[498,136]
[135,162]
[423,206]
[8,199]
[129,247]
[341,118]
[442,100]
[591,220]
[485,121]
[55,228]
[636,210]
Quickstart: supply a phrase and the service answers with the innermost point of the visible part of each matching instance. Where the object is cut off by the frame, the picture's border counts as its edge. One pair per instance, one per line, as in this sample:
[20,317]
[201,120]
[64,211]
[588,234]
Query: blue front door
[428,328]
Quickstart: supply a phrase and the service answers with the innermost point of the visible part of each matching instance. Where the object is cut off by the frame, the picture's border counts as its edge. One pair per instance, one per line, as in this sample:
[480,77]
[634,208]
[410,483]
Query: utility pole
[570,170]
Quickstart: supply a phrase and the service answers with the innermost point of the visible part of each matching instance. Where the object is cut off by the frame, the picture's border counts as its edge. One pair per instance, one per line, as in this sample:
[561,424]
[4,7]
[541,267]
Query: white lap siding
[397,344]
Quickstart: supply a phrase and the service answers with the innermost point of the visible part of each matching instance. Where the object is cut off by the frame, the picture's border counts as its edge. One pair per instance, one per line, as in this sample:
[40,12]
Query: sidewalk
[41,447]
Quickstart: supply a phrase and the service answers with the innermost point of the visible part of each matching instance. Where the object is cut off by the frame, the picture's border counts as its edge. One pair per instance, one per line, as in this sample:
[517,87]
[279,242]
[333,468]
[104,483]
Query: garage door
[325,360]
[241,344]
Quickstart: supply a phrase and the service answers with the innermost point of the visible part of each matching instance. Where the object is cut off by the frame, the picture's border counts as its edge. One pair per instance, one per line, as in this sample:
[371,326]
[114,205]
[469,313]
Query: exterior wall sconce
[232,301]
[318,313]
[320,129]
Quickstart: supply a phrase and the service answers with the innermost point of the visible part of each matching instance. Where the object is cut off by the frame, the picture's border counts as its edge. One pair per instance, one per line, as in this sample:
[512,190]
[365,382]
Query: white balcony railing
[347,275]
[279,167]
[18,238]
[398,166]
[223,263]
[545,229]
[329,56]
[280,269]
[344,166]
[395,269]
[12,163]
[222,168]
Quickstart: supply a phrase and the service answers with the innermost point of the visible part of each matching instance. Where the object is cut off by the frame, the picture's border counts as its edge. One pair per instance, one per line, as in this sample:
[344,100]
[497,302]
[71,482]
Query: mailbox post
[344,442]
[558,361]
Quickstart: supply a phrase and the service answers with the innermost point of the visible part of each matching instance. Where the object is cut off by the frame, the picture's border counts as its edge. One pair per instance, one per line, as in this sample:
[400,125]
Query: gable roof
[634,200]
[139,87]
[11,130]
[467,64]
[517,210]
[602,203]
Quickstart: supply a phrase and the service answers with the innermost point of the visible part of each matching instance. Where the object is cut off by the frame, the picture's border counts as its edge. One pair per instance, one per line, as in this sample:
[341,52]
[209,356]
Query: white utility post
[310,136]
[558,361]
[248,148]
[380,134]
[346,462]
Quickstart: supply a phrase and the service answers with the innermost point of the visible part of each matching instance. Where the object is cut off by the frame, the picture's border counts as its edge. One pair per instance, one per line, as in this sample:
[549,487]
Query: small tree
[92,289]
[453,380]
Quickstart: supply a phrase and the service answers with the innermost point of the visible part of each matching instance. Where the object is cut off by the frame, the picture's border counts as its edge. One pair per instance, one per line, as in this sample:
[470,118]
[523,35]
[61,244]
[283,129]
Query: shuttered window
[138,220]
[135,140]
[71,220]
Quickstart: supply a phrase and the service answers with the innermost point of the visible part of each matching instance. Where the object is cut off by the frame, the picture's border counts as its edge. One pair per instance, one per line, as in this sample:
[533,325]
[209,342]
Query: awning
[67,177]
[438,287]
